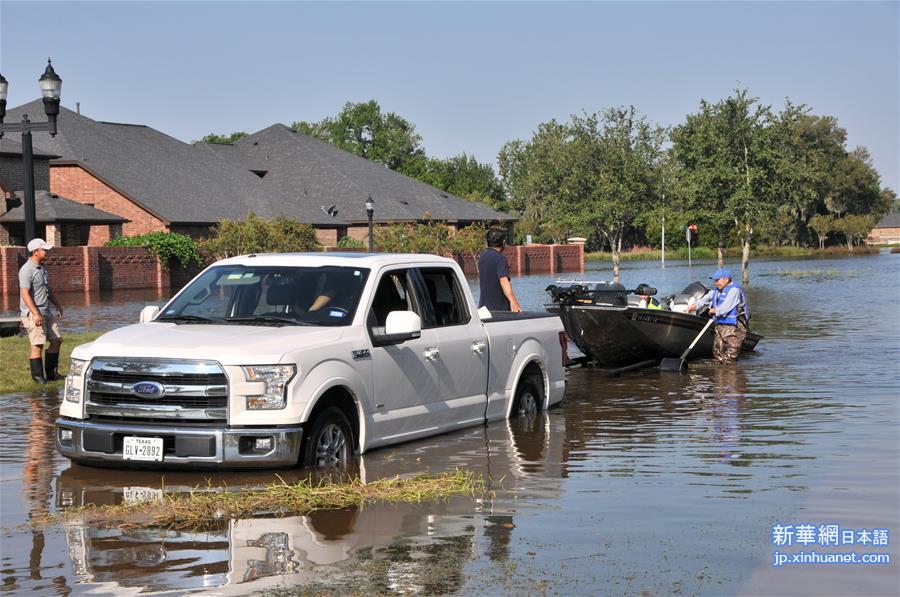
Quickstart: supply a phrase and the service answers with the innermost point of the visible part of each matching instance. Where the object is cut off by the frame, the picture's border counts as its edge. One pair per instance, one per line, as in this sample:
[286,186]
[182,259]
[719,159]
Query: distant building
[886,231]
[152,181]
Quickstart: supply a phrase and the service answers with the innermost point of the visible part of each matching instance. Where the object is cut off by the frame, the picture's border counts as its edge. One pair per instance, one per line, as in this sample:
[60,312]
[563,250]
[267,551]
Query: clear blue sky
[470,76]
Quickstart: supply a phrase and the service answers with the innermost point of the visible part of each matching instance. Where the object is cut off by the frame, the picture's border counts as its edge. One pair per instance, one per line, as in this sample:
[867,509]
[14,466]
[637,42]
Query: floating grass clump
[201,508]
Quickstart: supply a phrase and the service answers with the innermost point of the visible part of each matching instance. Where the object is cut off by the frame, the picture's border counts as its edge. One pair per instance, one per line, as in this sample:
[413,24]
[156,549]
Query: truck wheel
[329,442]
[528,399]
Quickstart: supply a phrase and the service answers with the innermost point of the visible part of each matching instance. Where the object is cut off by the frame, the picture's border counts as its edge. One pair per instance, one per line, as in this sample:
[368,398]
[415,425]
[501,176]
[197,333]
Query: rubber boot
[51,366]
[37,370]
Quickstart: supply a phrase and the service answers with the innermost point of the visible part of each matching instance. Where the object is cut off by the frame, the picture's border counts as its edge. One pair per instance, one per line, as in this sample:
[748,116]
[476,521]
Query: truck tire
[329,442]
[528,399]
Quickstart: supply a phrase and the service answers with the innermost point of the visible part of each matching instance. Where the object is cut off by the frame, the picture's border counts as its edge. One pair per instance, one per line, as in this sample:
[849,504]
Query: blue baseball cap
[721,273]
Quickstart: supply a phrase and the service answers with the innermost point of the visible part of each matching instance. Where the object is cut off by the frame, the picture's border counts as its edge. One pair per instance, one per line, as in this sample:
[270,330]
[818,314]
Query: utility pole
[663,253]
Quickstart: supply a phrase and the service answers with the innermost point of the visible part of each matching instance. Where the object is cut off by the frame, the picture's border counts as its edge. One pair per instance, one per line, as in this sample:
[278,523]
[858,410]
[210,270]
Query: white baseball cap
[38,243]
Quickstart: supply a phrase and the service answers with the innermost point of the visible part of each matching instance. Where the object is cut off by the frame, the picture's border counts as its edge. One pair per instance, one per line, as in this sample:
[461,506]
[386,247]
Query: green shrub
[348,242]
[167,246]
[257,235]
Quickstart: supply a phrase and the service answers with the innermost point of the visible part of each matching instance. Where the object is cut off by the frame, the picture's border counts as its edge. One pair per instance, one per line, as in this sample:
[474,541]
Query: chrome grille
[191,389]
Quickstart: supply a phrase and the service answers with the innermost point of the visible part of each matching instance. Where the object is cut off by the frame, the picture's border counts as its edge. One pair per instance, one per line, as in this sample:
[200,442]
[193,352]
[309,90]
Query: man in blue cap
[728,304]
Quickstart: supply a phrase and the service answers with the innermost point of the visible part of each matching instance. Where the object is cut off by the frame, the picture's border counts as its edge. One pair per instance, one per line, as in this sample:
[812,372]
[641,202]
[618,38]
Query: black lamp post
[51,85]
[370,211]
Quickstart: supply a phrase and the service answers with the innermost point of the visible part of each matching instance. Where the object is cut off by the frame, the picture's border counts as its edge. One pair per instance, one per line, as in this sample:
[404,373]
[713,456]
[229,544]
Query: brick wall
[12,171]
[533,259]
[95,268]
[87,269]
[74,182]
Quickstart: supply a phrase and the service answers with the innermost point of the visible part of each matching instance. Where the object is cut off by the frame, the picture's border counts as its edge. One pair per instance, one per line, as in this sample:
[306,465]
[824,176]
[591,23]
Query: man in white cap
[35,297]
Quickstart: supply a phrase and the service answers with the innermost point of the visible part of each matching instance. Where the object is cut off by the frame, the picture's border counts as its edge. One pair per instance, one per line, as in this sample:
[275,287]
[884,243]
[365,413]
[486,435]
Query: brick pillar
[519,261]
[4,276]
[552,259]
[163,277]
[91,268]
[53,234]
[581,256]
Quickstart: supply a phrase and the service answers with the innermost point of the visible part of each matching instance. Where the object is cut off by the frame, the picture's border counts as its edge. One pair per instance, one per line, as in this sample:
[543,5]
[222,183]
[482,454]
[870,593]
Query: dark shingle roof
[889,221]
[313,173]
[14,148]
[167,177]
[50,207]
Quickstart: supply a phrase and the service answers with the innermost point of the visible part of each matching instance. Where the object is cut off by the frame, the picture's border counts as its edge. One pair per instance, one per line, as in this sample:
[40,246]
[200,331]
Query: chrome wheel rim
[331,449]
[527,404]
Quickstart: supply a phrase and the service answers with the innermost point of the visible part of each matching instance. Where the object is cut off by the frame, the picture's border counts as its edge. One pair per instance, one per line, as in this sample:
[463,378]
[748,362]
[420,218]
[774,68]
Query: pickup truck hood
[228,344]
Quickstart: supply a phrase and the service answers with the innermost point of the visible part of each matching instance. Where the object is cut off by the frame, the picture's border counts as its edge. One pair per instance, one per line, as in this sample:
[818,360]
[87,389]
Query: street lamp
[370,212]
[51,85]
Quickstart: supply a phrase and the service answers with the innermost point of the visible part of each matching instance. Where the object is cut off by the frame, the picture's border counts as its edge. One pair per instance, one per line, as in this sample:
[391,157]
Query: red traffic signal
[692,227]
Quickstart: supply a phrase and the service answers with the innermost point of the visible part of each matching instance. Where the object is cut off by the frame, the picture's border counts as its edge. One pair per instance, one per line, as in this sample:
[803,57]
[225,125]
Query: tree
[728,151]
[533,175]
[222,139]
[854,228]
[821,225]
[465,177]
[613,174]
[363,129]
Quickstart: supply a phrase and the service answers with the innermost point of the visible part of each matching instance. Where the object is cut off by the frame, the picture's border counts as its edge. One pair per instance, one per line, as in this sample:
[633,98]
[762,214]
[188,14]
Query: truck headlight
[73,389]
[276,379]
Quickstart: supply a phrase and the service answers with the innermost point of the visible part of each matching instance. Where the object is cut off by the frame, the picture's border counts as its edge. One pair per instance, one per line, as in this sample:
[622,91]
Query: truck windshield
[237,294]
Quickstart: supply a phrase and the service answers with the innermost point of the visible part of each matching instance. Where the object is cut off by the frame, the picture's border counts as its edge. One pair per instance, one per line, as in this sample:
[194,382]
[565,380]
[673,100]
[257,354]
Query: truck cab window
[392,294]
[445,297]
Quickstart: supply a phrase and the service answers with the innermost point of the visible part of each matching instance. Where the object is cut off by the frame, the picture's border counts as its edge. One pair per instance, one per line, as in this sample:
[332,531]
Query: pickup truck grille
[190,390]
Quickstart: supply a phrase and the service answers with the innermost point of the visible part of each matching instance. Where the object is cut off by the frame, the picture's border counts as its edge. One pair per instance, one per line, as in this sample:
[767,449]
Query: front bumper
[183,447]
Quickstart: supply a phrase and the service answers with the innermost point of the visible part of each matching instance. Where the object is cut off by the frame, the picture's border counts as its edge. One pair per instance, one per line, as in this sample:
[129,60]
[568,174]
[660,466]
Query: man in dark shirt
[493,272]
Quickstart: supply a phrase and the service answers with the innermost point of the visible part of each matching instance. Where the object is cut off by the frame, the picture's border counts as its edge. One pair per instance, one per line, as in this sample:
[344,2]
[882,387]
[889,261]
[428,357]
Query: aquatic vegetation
[806,273]
[202,508]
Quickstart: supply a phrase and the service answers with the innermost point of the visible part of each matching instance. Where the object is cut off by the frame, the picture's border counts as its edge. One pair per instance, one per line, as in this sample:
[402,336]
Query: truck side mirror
[149,313]
[403,322]
[399,327]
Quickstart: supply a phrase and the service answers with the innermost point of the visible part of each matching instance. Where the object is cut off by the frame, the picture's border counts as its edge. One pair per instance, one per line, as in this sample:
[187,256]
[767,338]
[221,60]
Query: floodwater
[649,483]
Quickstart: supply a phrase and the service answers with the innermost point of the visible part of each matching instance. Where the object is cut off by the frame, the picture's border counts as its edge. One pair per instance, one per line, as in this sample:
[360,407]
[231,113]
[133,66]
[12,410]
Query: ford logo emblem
[148,389]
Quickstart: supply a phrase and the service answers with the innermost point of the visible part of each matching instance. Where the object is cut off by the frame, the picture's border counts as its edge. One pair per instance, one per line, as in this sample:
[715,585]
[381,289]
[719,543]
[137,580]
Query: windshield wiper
[186,318]
[267,319]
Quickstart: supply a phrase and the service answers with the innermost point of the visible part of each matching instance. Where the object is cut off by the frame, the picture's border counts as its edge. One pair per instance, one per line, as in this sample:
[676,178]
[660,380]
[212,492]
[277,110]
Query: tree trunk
[849,243]
[720,252]
[616,255]
[745,262]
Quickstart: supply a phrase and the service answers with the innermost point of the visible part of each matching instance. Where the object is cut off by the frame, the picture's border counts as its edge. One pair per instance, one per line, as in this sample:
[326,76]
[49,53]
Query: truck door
[461,367]
[403,377]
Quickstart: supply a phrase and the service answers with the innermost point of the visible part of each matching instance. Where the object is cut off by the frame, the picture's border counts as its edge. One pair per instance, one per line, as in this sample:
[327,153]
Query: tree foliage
[222,139]
[168,246]
[257,235]
[433,237]
[364,130]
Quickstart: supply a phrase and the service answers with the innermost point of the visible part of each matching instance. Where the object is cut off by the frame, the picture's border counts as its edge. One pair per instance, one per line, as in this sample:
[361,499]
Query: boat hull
[614,336]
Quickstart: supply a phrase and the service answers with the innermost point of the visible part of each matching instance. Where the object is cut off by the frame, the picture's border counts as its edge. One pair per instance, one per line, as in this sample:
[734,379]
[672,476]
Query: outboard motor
[610,294]
[691,294]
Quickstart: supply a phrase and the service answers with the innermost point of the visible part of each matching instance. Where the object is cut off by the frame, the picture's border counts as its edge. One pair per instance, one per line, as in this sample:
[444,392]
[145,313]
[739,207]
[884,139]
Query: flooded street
[651,483]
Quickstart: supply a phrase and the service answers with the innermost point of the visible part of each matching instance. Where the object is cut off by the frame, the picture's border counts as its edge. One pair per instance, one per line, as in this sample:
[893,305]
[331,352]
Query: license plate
[136,495]
[142,448]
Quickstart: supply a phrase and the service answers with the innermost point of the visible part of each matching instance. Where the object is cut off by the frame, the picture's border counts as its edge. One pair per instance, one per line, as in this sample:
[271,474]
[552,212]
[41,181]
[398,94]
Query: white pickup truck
[278,359]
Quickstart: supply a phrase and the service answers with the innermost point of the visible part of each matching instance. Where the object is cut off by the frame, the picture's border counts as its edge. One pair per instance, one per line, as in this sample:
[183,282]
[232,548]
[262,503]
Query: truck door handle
[431,353]
[478,347]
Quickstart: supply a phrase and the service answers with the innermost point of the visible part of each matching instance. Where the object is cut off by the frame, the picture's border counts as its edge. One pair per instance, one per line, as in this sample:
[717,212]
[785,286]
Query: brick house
[155,182]
[63,222]
[886,231]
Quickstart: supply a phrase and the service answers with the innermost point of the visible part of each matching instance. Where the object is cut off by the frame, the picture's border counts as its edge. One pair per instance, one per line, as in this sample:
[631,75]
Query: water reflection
[240,551]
